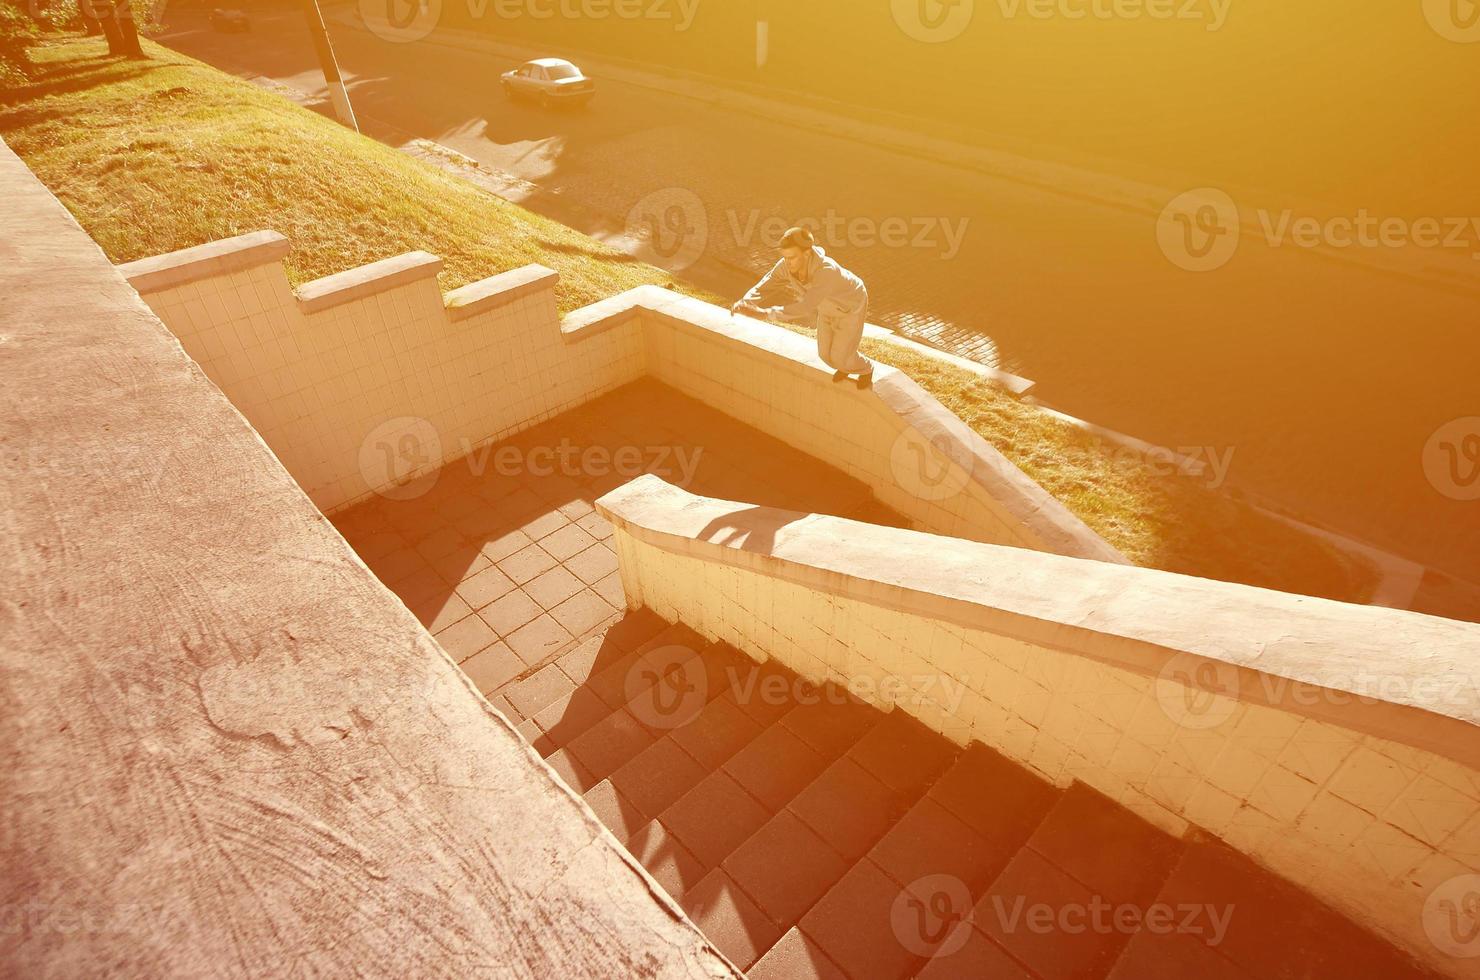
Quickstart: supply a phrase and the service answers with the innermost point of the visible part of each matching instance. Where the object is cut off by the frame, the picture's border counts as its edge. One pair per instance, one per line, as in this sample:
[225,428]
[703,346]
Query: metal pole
[337,92]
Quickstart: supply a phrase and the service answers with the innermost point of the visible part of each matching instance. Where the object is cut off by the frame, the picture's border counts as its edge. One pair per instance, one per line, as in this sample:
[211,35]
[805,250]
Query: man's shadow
[750,529]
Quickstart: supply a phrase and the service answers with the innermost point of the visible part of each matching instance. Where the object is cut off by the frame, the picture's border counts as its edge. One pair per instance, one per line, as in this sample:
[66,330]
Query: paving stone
[545,523]
[590,657]
[1089,835]
[440,611]
[466,637]
[786,867]
[657,776]
[539,640]
[796,957]
[461,563]
[848,808]
[635,628]
[582,612]
[607,745]
[484,587]
[1024,912]
[492,667]
[592,564]
[904,754]
[526,564]
[775,767]
[853,924]
[609,587]
[509,612]
[539,689]
[435,544]
[729,919]
[713,818]
[567,542]
[553,587]
[500,546]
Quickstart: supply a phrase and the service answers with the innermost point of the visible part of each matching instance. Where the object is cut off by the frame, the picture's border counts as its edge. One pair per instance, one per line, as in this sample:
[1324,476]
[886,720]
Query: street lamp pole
[337,92]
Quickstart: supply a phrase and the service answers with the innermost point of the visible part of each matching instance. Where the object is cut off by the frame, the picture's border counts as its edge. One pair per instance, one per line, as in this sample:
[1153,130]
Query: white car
[550,81]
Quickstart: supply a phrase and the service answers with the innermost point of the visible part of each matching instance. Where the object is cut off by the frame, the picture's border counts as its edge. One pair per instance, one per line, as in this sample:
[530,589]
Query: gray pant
[839,332]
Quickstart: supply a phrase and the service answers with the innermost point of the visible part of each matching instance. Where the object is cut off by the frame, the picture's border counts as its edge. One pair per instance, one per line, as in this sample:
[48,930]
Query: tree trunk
[116,18]
[128,29]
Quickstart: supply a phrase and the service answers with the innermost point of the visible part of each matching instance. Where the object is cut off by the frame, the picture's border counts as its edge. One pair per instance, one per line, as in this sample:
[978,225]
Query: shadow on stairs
[811,835]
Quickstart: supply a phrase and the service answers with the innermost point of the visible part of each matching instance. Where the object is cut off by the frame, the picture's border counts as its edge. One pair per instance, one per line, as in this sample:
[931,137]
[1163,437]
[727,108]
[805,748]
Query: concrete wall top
[1406,676]
[229,750]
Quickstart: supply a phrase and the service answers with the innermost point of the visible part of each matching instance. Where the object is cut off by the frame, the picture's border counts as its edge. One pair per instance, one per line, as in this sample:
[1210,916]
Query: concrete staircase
[810,835]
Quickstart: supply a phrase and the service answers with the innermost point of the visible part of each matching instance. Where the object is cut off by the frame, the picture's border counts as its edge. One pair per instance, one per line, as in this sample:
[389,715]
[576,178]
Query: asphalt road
[1327,379]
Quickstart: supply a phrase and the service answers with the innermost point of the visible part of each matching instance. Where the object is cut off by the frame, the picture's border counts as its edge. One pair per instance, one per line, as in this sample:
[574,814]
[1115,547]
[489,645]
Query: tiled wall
[316,385]
[1369,824]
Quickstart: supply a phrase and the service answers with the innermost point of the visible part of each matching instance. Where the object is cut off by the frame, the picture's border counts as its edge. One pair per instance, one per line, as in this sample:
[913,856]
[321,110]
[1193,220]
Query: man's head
[796,249]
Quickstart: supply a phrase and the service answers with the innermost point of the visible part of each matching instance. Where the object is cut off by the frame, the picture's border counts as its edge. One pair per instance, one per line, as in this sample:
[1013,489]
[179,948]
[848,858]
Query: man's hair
[798,237]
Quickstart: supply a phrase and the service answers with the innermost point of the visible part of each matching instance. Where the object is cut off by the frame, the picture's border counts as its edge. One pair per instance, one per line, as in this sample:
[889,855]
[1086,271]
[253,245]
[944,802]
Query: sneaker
[839,376]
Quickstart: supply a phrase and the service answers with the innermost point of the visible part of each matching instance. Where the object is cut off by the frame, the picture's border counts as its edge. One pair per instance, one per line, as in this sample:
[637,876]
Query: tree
[117,20]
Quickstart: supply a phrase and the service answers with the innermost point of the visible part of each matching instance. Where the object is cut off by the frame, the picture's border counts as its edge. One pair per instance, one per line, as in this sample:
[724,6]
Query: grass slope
[167,153]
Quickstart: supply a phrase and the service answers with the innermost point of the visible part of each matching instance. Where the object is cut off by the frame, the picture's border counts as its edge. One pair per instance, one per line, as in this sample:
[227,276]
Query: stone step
[1272,928]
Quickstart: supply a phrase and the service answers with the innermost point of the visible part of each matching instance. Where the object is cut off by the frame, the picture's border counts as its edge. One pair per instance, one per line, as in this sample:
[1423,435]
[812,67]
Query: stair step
[849,808]
[1276,929]
[785,867]
[903,754]
[796,957]
[729,919]
[855,924]
[1088,835]
[714,818]
[1028,882]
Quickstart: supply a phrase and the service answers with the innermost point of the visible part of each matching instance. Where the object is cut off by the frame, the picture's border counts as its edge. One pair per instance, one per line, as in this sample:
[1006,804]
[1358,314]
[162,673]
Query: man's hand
[750,309]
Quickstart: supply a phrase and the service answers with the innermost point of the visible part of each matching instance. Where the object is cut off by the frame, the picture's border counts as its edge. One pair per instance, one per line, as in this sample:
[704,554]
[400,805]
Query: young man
[824,295]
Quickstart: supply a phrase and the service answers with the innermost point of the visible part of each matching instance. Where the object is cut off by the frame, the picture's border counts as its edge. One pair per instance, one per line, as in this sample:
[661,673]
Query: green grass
[167,153]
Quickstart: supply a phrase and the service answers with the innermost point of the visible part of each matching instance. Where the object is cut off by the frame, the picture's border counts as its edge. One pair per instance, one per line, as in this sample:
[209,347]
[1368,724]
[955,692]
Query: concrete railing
[1337,744]
[371,377]
[917,456]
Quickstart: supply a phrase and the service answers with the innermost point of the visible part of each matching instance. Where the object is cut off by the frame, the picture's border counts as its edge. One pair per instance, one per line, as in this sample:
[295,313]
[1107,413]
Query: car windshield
[562,71]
